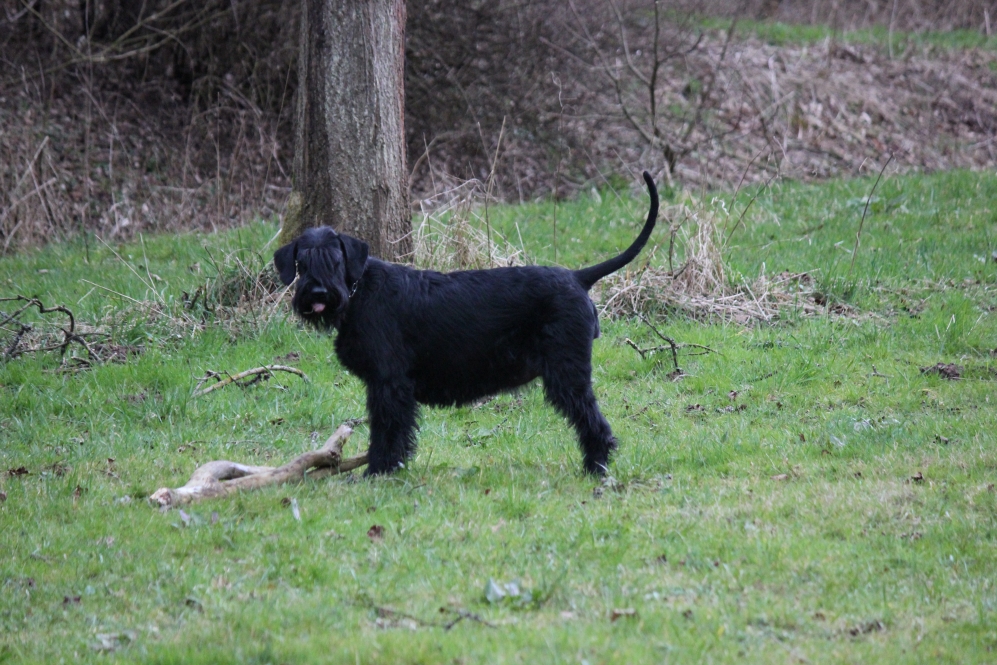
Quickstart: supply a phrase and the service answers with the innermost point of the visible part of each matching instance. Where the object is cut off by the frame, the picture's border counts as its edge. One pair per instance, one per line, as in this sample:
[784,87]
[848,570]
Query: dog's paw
[374,470]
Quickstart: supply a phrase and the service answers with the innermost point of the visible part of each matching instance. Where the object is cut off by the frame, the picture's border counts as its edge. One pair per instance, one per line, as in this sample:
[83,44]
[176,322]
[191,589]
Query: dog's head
[327,265]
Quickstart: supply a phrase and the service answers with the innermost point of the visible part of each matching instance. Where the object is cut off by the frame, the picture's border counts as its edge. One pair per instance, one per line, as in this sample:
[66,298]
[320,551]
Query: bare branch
[259,374]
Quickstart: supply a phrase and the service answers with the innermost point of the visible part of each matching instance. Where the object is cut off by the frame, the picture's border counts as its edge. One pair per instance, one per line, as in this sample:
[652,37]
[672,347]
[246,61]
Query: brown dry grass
[451,231]
[701,287]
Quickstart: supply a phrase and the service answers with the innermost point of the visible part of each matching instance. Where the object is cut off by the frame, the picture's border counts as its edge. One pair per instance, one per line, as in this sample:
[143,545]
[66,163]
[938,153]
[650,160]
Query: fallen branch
[393,616]
[221,478]
[672,344]
[69,335]
[258,374]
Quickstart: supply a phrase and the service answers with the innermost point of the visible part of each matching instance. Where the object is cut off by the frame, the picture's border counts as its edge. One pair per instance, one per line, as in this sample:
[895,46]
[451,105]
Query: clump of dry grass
[452,230]
[701,286]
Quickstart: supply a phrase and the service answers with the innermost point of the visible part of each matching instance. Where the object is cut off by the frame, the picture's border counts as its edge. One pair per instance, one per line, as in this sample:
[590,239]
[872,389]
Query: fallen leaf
[733,394]
[949,371]
[70,600]
[108,642]
[376,533]
[58,468]
[294,510]
[944,440]
[873,626]
[917,477]
[780,476]
[510,592]
[694,407]
[19,471]
[3,497]
[627,612]
[494,591]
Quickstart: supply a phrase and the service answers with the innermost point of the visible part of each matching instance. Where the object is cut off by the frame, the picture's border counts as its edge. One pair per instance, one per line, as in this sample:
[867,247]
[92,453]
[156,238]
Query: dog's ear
[285,260]
[355,254]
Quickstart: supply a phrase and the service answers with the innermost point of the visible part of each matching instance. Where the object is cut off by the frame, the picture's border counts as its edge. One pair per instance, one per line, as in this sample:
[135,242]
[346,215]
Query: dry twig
[672,344]
[69,334]
[258,374]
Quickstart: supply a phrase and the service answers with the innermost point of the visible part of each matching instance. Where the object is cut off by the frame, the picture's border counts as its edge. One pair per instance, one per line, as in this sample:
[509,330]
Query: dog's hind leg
[568,387]
[392,409]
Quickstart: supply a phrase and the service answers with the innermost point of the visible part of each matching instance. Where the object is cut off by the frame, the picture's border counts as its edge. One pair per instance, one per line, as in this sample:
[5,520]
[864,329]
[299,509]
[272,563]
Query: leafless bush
[144,115]
[119,115]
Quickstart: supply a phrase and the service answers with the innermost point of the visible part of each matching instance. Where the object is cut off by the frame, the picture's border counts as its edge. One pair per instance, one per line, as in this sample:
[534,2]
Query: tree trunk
[349,168]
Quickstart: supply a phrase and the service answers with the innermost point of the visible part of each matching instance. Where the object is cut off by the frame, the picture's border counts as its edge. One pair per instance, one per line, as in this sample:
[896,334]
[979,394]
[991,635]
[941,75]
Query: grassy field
[805,494]
[774,32]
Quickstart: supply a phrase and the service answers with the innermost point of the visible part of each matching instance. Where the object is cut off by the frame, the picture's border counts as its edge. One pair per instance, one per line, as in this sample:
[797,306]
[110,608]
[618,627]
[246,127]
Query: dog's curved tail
[591,275]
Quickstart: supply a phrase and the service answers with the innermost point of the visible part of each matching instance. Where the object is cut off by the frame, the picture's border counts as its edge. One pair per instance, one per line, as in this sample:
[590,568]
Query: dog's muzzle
[322,307]
[317,296]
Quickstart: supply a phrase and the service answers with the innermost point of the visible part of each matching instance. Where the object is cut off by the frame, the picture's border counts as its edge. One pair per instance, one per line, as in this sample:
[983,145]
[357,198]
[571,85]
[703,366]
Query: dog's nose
[319,291]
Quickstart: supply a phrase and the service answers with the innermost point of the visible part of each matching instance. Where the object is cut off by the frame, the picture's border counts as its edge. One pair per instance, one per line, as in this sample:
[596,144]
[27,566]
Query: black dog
[418,336]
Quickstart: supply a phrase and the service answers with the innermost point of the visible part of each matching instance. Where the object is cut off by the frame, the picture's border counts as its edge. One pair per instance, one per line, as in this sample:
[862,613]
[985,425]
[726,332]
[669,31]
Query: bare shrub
[118,116]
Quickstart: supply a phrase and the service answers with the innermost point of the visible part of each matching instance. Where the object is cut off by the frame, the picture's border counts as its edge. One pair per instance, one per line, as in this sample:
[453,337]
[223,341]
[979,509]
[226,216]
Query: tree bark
[349,168]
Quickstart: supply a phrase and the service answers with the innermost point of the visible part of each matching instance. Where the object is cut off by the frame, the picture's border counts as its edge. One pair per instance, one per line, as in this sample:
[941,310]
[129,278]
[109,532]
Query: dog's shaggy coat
[419,336]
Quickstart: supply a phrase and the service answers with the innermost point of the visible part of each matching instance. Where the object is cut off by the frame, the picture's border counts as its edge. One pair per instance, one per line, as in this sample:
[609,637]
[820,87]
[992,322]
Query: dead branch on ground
[672,345]
[221,478]
[258,374]
[69,334]
[387,617]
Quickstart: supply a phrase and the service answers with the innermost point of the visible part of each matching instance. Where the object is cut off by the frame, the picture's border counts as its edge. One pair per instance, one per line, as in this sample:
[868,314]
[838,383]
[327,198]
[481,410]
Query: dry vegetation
[121,116]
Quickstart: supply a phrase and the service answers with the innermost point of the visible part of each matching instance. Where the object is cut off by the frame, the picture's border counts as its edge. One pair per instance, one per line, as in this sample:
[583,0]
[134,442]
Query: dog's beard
[324,312]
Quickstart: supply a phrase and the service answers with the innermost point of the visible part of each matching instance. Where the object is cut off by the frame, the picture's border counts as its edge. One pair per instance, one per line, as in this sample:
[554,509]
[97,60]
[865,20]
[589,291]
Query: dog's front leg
[392,409]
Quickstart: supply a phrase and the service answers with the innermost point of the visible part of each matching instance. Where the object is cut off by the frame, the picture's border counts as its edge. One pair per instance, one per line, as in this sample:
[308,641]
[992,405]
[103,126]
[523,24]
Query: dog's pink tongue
[317,308]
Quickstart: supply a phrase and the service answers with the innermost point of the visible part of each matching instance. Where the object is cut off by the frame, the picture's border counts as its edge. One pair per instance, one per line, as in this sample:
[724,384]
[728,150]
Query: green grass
[846,559]
[783,34]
